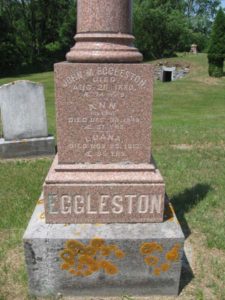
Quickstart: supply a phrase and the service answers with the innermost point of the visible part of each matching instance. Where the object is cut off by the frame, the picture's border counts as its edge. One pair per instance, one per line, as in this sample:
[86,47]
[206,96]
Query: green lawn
[189,147]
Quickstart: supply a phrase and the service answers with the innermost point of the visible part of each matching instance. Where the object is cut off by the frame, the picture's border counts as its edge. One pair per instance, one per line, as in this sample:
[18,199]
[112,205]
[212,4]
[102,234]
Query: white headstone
[23,113]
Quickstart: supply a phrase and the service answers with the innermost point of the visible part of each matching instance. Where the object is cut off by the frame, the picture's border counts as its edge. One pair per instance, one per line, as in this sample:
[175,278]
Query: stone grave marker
[24,120]
[194,49]
[103,226]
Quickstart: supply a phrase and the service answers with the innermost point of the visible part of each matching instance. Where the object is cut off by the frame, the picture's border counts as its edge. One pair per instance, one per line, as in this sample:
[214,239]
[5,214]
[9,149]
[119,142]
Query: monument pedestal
[27,147]
[106,193]
[103,259]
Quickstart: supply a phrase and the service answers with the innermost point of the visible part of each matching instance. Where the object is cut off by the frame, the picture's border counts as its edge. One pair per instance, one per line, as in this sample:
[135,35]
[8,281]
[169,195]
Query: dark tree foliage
[216,52]
[161,27]
[36,33]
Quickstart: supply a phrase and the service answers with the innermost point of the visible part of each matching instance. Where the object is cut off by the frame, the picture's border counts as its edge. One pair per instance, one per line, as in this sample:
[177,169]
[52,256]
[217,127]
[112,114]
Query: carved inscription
[71,204]
[102,104]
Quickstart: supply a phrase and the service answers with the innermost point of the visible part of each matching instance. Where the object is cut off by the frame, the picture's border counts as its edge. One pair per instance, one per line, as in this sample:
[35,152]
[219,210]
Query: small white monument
[194,49]
[24,121]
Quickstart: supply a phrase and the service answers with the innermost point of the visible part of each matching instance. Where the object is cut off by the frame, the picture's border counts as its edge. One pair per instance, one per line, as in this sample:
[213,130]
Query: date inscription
[104,114]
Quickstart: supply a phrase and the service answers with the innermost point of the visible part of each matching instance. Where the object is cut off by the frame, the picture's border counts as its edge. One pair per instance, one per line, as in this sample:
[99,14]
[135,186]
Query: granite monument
[103,226]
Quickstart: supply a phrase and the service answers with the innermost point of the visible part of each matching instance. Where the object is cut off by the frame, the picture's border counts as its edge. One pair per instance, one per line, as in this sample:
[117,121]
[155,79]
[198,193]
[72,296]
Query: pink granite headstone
[103,172]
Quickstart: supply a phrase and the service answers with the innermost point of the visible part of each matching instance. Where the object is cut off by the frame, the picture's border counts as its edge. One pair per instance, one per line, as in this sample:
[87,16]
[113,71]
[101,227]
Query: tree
[216,52]
[11,54]
[43,21]
[159,27]
[35,33]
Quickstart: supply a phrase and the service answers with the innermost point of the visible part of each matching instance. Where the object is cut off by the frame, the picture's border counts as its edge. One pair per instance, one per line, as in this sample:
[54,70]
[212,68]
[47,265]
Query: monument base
[27,147]
[103,259]
[104,193]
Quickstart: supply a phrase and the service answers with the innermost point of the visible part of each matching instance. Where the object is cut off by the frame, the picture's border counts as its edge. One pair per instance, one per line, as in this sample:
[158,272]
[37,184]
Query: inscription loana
[104,205]
[101,73]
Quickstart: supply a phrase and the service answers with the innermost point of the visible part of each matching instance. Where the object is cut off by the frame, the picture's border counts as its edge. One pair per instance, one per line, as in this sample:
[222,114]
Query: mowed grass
[189,147]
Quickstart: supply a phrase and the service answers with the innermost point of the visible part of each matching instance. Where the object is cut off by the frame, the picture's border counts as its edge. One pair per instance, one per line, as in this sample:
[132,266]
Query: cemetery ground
[189,147]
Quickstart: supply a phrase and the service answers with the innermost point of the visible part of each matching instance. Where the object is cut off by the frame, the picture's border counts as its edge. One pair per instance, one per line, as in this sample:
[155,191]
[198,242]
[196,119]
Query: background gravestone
[24,120]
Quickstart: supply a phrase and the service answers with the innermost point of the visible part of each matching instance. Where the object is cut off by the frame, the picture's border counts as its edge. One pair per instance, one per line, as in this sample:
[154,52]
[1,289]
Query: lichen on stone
[84,260]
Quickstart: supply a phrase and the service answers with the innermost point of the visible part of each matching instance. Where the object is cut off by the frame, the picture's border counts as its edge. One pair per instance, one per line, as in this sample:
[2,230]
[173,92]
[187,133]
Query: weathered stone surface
[103,259]
[104,112]
[23,111]
[107,194]
[104,32]
[27,147]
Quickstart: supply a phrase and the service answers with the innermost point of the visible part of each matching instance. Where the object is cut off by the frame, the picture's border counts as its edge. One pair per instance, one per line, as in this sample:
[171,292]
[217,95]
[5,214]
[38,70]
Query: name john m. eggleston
[104,204]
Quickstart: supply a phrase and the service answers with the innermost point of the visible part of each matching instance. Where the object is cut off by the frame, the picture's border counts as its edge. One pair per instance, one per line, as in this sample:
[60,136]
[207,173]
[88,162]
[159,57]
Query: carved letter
[79,200]
[156,201]
[103,204]
[130,202]
[118,205]
[143,204]
[52,200]
[89,211]
[65,204]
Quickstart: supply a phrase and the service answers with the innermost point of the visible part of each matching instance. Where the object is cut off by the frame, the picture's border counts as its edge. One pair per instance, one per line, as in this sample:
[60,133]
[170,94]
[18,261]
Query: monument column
[104,30]
[108,229]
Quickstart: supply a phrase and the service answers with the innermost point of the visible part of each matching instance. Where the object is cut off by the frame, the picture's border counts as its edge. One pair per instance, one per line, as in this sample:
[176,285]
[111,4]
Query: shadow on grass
[183,203]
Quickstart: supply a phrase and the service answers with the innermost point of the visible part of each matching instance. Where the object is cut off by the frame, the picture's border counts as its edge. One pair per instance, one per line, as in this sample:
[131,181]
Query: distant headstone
[24,120]
[194,49]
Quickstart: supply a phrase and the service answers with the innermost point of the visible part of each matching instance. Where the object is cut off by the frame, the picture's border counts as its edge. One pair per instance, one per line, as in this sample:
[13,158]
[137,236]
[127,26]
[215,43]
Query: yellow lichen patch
[157,271]
[84,260]
[159,266]
[94,267]
[97,243]
[73,272]
[173,254]
[169,213]
[151,260]
[111,270]
[113,248]
[88,273]
[165,267]
[40,201]
[65,266]
[105,251]
[42,216]
[68,256]
[109,267]
[172,210]
[90,250]
[80,267]
[148,248]
[119,254]
[75,246]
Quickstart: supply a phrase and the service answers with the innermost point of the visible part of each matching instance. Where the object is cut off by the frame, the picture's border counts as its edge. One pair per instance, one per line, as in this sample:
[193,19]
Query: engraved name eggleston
[103,113]
[68,204]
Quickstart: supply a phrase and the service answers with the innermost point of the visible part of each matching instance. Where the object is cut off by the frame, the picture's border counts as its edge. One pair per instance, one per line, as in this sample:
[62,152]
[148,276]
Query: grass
[189,147]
